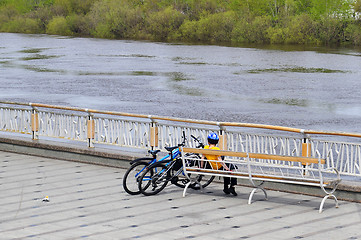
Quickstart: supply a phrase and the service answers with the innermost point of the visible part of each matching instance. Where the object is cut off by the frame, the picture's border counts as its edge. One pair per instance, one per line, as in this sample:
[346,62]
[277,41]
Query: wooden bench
[264,167]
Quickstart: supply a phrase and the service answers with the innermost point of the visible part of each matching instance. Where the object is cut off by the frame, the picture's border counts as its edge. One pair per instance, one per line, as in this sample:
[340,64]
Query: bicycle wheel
[154,179]
[180,180]
[177,176]
[132,176]
[204,181]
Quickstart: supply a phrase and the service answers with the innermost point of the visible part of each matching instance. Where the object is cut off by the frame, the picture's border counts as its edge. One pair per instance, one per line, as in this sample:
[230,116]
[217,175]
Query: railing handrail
[183,120]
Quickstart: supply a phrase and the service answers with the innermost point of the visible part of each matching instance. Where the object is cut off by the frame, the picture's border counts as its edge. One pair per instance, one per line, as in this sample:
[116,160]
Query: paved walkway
[88,202]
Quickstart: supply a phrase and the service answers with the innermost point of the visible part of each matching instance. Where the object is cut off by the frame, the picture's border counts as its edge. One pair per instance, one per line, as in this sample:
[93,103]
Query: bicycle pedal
[174,180]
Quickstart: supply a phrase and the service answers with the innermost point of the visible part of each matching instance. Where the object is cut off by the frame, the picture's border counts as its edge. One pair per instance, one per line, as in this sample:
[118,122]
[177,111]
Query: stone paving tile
[88,202]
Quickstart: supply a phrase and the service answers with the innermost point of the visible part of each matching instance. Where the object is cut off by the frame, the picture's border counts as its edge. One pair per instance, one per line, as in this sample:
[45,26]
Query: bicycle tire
[180,180]
[154,179]
[204,180]
[131,177]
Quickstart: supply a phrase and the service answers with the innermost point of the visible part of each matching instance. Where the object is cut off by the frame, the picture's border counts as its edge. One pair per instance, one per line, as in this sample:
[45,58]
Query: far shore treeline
[306,22]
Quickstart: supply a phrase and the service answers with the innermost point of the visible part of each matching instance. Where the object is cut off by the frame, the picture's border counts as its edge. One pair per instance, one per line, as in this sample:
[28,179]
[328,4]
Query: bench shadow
[274,197]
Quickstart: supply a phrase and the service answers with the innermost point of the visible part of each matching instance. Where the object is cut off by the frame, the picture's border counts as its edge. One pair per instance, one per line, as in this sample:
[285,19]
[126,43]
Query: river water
[314,88]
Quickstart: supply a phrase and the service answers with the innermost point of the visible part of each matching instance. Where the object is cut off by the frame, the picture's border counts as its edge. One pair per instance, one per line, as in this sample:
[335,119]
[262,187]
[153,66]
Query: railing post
[90,130]
[306,150]
[153,134]
[306,147]
[222,138]
[34,124]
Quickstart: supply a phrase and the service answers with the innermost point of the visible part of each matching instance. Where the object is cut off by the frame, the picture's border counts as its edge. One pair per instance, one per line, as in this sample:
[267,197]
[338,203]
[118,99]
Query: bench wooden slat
[303,160]
[213,172]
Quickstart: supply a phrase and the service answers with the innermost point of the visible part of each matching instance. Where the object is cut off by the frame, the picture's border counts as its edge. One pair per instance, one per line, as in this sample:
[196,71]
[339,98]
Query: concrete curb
[120,157]
[71,152]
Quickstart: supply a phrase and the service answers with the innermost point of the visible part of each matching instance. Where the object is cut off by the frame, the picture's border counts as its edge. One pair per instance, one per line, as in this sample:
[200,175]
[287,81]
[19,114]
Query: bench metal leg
[254,191]
[185,188]
[324,199]
[192,181]
[329,193]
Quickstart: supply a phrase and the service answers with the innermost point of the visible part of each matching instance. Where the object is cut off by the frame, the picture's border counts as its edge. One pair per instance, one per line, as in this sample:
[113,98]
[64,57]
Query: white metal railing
[130,133]
[144,131]
[268,144]
[15,120]
[62,125]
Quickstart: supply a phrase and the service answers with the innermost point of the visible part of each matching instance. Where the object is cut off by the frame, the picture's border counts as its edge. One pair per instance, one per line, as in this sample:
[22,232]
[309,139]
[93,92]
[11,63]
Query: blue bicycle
[138,166]
[156,176]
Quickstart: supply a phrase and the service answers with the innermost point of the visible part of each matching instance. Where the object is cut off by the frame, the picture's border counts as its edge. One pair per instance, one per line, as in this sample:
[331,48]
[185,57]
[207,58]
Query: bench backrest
[303,160]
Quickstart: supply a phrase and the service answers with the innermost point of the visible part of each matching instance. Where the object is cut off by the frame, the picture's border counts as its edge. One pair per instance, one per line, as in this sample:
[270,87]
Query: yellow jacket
[214,165]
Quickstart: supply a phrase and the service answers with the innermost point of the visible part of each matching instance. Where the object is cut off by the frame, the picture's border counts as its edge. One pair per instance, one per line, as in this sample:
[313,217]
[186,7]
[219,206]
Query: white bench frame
[283,169]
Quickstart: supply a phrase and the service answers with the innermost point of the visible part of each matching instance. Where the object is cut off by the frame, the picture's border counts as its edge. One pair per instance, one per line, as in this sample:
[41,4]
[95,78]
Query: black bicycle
[157,175]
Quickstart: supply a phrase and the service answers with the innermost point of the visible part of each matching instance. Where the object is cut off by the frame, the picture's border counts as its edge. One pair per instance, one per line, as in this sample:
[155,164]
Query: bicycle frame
[175,153]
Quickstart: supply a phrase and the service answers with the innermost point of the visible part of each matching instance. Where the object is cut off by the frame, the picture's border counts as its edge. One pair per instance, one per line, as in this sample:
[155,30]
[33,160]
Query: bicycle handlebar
[200,144]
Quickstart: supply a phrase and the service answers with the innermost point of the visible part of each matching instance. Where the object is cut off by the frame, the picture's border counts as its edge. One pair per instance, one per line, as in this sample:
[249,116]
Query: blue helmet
[213,138]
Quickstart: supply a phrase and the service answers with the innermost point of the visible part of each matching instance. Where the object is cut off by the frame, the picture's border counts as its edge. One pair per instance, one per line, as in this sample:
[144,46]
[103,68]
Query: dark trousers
[228,181]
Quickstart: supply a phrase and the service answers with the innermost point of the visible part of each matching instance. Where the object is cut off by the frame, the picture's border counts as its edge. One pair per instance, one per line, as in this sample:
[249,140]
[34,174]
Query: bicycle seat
[154,152]
[170,149]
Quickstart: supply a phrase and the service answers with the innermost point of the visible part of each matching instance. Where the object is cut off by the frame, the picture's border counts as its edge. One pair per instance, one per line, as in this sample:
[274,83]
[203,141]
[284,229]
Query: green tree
[251,21]
[275,7]
[163,23]
[78,25]
[330,30]
[3,3]
[58,26]
[303,6]
[43,15]
[21,24]
[333,8]
[301,30]
[253,31]
[188,31]
[7,13]
[353,34]
[357,6]
[22,6]
[74,6]
[211,28]
[115,19]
